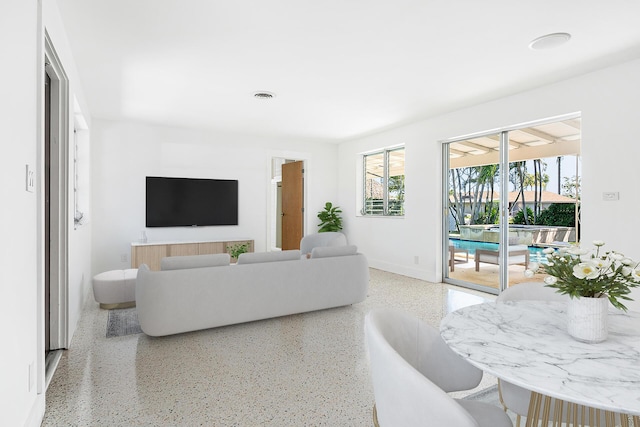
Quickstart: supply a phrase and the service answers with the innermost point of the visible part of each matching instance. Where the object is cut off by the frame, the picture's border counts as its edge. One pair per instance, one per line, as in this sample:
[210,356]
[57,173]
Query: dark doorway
[47,213]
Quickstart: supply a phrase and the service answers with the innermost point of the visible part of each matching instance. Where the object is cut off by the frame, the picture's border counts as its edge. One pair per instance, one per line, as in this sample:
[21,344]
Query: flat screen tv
[191,202]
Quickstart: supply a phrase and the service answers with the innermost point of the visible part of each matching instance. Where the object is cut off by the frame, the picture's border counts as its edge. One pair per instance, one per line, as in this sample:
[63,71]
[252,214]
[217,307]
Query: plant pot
[587,319]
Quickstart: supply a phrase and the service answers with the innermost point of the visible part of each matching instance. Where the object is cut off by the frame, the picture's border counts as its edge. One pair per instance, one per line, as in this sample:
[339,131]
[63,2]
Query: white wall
[608,100]
[21,262]
[18,218]
[123,154]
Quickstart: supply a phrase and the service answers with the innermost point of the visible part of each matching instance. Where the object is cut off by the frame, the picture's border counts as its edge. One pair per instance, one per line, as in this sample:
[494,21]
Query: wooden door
[292,204]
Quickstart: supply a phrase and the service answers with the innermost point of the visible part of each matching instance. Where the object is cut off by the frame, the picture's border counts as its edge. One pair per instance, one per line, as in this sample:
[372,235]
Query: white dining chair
[517,399]
[412,370]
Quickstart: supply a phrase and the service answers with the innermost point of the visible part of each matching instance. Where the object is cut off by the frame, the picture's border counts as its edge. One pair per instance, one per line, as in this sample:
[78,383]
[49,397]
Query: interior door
[292,204]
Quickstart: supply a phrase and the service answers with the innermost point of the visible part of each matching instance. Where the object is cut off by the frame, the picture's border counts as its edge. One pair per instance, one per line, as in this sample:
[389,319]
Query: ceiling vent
[550,41]
[264,95]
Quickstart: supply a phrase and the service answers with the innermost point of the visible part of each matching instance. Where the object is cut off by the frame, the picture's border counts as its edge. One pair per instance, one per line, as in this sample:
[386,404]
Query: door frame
[59,231]
[272,191]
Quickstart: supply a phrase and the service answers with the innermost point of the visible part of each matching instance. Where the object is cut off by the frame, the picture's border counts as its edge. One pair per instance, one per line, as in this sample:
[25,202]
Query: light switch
[609,196]
[31,179]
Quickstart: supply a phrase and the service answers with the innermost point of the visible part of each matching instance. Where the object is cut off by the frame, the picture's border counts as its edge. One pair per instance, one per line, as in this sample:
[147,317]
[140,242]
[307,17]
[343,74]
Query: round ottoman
[115,288]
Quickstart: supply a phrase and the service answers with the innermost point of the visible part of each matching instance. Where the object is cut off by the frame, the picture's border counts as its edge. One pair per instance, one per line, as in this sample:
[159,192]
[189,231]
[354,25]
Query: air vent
[264,95]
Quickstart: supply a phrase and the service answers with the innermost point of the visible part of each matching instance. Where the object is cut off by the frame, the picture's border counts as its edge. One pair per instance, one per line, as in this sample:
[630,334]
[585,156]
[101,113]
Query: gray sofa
[200,292]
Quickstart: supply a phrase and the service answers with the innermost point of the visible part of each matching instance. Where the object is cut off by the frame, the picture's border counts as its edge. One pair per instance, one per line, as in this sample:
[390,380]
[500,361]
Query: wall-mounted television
[191,202]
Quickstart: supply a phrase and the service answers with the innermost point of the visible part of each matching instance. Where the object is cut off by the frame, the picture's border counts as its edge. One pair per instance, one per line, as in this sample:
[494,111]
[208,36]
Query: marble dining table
[527,344]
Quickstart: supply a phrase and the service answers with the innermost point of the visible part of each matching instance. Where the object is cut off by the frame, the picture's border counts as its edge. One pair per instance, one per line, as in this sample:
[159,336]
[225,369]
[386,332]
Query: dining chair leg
[375,416]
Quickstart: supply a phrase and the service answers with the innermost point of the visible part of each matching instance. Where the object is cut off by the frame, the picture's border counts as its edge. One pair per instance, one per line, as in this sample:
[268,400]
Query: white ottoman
[115,288]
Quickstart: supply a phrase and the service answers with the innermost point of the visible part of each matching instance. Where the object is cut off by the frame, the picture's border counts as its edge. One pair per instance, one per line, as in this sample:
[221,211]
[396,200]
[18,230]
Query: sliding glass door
[489,239]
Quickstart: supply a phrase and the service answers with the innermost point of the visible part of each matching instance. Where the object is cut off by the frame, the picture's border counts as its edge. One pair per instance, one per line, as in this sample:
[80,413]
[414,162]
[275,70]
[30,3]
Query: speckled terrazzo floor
[303,370]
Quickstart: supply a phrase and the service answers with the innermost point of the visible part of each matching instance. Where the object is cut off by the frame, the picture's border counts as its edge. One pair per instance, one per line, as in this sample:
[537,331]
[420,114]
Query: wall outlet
[124,258]
[610,196]
[416,259]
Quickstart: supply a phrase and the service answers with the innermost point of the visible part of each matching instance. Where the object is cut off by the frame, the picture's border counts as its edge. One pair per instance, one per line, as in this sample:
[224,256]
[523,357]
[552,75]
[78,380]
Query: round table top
[527,344]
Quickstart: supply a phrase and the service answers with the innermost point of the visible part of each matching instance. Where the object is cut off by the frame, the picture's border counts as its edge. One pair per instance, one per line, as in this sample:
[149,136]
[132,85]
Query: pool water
[535,253]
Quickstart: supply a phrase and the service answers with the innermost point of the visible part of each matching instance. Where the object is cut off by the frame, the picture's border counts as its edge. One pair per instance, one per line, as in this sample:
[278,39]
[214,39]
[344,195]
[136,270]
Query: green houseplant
[236,250]
[330,219]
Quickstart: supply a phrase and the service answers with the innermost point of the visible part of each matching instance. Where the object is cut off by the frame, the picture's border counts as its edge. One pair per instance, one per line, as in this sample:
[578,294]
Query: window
[384,182]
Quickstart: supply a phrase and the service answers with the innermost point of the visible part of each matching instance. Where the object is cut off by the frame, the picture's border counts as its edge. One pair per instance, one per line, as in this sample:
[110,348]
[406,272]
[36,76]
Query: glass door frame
[503,203]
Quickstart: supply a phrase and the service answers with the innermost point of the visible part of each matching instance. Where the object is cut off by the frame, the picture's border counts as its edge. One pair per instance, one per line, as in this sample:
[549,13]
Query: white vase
[587,319]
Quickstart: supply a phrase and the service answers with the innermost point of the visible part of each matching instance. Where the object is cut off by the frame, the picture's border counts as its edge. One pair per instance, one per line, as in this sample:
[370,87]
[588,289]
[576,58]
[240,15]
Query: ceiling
[339,68]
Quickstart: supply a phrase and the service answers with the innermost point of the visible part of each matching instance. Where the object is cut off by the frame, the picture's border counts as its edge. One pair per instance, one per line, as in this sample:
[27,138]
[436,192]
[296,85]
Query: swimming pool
[535,253]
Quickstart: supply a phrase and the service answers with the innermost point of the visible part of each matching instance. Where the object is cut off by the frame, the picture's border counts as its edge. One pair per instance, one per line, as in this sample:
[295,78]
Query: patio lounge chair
[518,254]
[452,255]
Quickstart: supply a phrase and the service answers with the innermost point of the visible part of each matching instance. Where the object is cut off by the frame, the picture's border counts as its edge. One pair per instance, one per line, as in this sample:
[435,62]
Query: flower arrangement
[592,274]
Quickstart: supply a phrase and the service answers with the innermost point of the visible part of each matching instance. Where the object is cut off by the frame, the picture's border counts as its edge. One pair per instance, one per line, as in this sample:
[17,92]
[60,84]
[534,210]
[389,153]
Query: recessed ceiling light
[264,95]
[549,41]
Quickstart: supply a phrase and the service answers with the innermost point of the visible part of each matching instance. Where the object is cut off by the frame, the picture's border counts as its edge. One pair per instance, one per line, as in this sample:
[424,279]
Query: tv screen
[181,202]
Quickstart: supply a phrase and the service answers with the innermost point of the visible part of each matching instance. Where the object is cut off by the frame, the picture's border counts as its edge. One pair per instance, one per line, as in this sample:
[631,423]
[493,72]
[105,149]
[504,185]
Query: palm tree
[517,173]
[487,176]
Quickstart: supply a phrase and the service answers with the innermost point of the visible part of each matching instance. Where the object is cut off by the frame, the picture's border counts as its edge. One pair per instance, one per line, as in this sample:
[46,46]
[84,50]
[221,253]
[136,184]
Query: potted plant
[330,219]
[591,278]
[237,249]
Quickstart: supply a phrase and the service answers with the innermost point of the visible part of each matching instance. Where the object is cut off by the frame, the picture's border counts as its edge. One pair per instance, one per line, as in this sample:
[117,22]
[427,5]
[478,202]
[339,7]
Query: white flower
[586,270]
[627,261]
[548,251]
[528,273]
[601,263]
[578,251]
[635,274]
[534,266]
[550,280]
[598,243]
[616,256]
[626,271]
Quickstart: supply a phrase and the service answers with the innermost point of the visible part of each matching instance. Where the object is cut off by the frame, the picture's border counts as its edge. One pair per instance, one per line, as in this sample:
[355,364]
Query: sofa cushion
[330,238]
[331,251]
[194,261]
[258,257]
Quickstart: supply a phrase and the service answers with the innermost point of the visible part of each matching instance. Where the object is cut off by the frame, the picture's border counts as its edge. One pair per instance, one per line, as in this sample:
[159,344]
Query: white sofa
[201,292]
[328,238]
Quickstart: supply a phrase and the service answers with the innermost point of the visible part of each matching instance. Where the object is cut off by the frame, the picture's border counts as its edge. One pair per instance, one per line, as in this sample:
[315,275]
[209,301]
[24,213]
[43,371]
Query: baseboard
[404,270]
[36,415]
